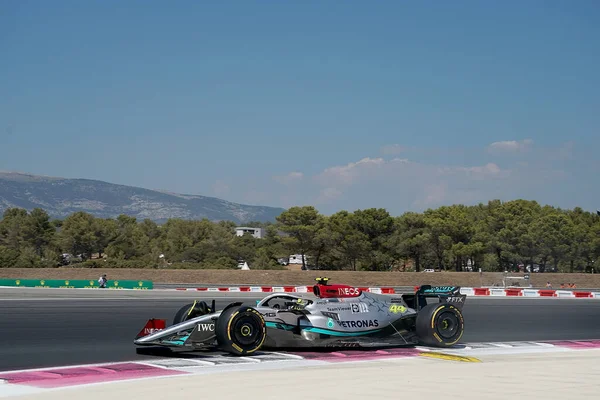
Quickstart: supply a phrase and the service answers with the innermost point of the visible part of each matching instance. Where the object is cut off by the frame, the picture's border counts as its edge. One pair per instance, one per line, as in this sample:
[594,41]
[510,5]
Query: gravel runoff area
[276,277]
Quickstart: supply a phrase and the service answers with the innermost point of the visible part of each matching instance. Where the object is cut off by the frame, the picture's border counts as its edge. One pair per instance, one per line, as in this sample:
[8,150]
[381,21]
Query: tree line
[496,236]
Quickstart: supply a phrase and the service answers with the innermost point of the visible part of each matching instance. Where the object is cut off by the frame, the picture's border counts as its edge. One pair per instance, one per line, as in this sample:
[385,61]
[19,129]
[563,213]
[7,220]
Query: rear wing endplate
[446,294]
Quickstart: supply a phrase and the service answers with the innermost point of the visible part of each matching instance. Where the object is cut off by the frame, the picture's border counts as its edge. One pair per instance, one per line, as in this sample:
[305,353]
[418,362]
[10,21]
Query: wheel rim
[246,330]
[448,325]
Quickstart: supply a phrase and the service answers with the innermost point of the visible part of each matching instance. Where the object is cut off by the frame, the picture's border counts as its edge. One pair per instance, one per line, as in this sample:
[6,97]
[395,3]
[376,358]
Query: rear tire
[440,325]
[241,330]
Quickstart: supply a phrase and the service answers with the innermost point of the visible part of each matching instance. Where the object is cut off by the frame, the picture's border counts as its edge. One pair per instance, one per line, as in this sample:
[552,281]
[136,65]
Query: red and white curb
[15,383]
[470,291]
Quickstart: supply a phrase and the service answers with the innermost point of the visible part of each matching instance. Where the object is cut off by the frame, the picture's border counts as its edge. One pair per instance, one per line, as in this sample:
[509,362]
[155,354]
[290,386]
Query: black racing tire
[186,312]
[240,330]
[440,325]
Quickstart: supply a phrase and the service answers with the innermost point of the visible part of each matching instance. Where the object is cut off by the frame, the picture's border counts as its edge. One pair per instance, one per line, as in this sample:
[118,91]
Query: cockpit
[285,302]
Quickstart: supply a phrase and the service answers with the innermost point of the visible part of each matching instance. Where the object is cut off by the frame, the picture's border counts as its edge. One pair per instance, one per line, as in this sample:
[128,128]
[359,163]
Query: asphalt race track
[47,331]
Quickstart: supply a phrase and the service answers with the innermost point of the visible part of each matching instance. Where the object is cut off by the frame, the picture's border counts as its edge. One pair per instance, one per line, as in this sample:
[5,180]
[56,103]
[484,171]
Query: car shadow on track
[302,352]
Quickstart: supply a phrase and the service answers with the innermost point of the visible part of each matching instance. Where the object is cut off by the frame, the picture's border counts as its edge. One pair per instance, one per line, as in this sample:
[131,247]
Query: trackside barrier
[514,292]
[469,291]
[547,293]
[146,285]
[583,294]
[564,293]
[75,284]
[530,293]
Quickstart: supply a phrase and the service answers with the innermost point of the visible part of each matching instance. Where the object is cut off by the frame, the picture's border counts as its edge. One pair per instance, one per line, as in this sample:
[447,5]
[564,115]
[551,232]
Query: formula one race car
[334,316]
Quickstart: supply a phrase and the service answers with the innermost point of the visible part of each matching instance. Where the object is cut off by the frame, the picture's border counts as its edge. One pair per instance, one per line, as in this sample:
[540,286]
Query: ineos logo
[348,291]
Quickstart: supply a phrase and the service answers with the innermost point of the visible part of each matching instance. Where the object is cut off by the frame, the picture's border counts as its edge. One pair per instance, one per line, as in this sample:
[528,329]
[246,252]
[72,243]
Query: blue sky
[342,105]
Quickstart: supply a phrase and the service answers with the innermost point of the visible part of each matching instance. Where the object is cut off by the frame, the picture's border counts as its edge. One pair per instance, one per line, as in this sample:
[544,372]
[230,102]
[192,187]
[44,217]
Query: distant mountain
[61,197]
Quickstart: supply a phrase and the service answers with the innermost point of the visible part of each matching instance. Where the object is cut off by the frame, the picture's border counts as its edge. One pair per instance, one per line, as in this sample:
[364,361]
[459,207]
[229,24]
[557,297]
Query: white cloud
[402,184]
[433,194]
[490,170]
[565,152]
[369,169]
[290,178]
[393,149]
[328,195]
[349,173]
[510,146]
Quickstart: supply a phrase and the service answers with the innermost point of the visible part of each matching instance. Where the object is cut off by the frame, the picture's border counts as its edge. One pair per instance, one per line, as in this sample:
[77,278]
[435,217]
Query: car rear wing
[446,294]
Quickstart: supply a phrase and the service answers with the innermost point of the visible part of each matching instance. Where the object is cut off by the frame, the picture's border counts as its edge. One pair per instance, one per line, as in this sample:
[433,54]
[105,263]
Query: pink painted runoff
[63,377]
[577,344]
[356,355]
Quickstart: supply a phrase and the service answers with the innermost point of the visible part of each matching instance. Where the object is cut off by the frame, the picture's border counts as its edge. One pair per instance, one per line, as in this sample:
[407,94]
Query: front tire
[241,330]
[440,325]
[190,311]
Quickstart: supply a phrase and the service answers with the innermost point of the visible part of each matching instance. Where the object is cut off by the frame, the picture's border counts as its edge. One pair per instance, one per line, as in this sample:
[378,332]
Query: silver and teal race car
[332,316]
